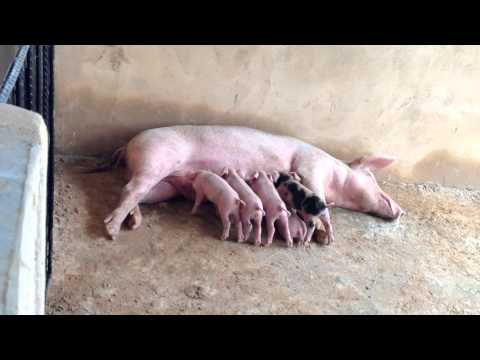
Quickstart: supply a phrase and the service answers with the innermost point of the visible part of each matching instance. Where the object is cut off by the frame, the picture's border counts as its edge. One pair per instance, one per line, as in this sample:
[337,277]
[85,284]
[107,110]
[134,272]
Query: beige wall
[420,103]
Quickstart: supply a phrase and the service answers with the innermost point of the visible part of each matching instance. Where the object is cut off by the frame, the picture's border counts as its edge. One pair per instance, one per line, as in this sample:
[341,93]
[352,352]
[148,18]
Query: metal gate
[29,84]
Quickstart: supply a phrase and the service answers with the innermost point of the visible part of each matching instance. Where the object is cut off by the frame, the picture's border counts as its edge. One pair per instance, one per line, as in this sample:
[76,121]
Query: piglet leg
[226,227]
[199,197]
[270,230]
[309,234]
[247,228]
[283,223]
[240,235]
[325,219]
[258,231]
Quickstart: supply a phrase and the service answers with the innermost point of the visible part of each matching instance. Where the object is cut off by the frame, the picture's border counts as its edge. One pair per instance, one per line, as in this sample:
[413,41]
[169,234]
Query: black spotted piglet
[300,199]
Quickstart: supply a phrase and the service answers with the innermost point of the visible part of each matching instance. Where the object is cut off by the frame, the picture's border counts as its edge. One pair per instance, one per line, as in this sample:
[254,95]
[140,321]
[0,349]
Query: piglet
[297,227]
[212,187]
[253,210]
[275,208]
[302,200]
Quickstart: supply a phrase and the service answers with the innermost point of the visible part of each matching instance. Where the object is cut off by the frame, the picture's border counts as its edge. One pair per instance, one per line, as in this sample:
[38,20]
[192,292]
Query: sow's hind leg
[136,189]
[134,219]
[148,168]
[163,191]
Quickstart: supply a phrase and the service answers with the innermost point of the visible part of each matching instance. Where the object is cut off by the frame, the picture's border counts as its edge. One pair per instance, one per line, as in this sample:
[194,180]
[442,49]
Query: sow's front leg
[311,178]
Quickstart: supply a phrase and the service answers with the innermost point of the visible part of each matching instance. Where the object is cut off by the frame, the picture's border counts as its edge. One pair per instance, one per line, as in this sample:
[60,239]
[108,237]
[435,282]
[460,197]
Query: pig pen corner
[175,263]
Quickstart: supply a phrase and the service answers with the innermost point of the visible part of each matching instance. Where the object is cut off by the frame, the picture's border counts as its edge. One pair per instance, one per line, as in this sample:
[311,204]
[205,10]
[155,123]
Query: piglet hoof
[257,242]
[327,240]
[224,237]
[290,244]
[330,240]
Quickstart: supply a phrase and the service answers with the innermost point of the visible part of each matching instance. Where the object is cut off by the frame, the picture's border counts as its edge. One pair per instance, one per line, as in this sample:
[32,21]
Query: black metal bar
[13,96]
[39,71]
[28,79]
[48,99]
[21,89]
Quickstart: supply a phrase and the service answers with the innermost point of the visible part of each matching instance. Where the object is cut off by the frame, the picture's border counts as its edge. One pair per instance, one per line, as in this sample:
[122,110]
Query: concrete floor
[428,263]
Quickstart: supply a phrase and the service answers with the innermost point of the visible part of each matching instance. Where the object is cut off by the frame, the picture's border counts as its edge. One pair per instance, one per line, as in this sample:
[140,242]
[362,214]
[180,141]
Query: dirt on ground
[426,263]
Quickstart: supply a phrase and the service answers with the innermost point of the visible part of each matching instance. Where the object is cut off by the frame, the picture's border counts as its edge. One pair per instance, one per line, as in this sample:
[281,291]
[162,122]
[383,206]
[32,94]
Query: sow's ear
[372,162]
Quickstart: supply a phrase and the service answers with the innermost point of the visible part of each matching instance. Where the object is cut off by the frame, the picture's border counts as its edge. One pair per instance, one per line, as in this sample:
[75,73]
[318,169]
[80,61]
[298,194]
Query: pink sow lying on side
[154,155]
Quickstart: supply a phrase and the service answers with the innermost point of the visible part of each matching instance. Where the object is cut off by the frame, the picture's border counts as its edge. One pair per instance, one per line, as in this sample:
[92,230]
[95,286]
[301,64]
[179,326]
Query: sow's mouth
[383,217]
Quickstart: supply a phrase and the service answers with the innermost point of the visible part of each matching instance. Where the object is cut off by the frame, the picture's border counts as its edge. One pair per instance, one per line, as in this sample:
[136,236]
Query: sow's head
[363,191]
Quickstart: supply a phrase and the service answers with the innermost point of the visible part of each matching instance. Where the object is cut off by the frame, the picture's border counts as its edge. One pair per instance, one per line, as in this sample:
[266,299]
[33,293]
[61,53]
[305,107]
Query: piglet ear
[275,175]
[241,173]
[191,175]
[373,162]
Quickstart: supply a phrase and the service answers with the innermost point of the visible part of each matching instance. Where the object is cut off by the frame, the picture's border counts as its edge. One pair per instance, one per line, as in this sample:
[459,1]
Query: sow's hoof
[112,226]
[134,219]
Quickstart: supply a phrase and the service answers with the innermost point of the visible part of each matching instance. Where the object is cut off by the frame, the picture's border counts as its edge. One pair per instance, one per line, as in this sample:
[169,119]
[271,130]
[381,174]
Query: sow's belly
[248,159]
[216,147]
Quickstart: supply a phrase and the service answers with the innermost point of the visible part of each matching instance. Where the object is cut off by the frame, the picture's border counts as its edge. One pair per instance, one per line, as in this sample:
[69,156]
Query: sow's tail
[117,158]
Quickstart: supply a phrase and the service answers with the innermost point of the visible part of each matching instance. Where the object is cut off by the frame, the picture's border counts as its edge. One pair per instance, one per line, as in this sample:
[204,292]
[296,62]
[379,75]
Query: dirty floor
[428,263]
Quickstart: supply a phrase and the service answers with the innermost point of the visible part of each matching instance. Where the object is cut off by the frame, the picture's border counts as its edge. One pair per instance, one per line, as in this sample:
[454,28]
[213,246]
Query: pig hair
[298,194]
[313,205]
[282,178]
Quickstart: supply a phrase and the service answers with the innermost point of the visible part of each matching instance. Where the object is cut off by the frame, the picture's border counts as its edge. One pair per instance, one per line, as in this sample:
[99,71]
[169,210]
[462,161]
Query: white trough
[23,196]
